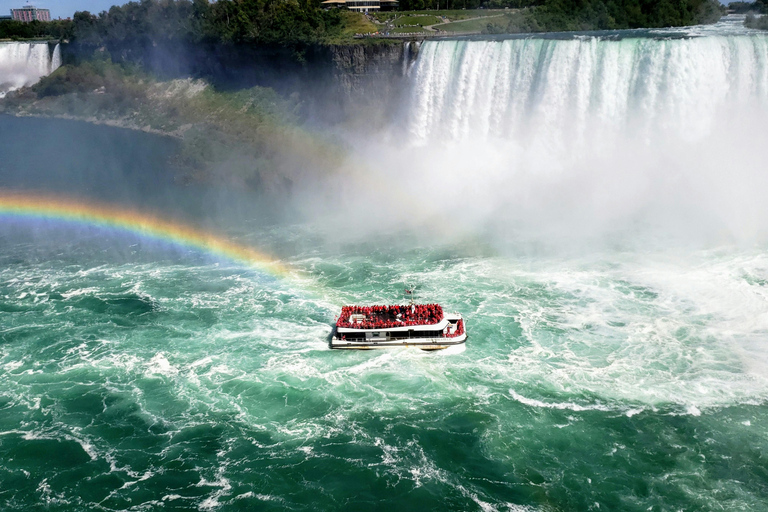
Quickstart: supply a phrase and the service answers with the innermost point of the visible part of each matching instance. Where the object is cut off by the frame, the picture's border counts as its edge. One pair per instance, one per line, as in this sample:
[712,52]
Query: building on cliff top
[31,13]
[363,5]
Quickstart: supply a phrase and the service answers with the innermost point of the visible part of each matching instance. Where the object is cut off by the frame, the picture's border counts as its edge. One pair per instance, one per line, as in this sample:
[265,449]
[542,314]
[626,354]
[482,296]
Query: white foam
[159,365]
[13,365]
[550,405]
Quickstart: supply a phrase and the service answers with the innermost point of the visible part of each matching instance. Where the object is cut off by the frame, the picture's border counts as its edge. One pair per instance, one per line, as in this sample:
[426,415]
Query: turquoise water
[164,379]
[594,207]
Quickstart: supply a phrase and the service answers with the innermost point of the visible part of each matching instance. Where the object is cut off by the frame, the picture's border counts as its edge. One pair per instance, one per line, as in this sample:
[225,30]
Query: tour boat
[423,326]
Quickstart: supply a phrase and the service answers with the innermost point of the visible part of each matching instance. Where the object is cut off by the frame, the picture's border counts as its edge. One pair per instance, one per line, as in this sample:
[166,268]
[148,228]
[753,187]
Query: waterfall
[584,136]
[573,93]
[23,64]
[55,58]
[406,57]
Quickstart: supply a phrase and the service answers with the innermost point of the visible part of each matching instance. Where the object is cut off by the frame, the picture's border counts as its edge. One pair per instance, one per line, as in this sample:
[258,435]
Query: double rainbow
[37,206]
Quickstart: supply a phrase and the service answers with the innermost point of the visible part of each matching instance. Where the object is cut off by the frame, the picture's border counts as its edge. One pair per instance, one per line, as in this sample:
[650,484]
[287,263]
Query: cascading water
[584,89]
[580,136]
[410,52]
[23,64]
[406,57]
[55,58]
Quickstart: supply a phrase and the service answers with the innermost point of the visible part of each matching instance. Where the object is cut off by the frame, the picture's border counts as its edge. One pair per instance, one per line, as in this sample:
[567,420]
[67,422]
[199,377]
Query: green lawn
[352,23]
[475,25]
[415,19]
[411,22]
[452,15]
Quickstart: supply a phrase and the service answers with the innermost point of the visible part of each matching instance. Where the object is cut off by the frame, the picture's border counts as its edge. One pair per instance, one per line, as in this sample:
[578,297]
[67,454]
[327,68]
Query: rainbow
[37,206]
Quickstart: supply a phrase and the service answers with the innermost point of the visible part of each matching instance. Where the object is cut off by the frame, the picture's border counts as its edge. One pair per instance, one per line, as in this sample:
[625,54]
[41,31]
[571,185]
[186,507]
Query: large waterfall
[562,136]
[572,92]
[24,64]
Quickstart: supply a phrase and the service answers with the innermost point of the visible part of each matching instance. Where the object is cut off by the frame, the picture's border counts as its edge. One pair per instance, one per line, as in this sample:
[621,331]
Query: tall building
[31,13]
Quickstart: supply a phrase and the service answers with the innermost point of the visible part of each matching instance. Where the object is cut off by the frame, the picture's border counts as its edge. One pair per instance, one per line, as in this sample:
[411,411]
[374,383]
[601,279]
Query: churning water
[616,306]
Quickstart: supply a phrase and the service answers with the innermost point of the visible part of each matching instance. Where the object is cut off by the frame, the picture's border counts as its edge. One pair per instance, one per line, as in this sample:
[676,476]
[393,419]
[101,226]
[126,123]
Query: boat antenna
[410,293]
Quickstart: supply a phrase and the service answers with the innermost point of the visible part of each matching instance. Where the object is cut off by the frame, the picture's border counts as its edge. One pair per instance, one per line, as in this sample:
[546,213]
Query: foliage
[558,15]
[760,23]
[59,29]
[106,87]
[153,22]
[352,23]
[747,7]
[144,24]
[565,15]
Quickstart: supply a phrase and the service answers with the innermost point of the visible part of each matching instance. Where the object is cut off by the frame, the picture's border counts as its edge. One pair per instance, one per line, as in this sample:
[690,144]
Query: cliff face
[336,83]
[369,79]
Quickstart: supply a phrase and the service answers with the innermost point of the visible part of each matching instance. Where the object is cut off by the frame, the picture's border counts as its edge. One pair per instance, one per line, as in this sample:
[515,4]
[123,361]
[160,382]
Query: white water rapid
[24,64]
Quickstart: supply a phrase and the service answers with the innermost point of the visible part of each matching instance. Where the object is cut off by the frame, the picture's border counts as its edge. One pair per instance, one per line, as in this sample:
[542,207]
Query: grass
[456,21]
[352,23]
[383,17]
[475,25]
[463,14]
[422,20]
[452,15]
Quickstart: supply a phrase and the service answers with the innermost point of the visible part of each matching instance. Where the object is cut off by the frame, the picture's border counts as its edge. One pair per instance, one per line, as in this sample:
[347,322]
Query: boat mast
[410,293]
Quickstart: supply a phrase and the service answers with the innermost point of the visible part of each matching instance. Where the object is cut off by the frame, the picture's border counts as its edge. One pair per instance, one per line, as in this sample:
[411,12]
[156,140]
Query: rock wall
[369,78]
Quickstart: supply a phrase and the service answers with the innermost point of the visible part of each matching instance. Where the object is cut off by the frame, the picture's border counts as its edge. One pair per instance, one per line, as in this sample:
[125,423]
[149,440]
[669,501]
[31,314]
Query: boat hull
[438,343]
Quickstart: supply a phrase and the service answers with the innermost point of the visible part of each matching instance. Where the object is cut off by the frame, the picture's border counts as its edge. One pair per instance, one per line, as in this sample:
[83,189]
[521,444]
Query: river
[593,206]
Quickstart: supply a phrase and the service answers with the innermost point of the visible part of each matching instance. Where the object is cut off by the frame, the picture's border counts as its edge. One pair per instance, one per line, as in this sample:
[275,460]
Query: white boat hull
[437,343]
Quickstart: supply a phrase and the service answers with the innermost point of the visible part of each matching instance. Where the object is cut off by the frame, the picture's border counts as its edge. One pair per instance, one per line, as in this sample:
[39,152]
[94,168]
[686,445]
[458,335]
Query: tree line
[192,21]
[296,23]
[59,29]
[559,15]
[280,22]
[752,10]
[556,15]
[755,7]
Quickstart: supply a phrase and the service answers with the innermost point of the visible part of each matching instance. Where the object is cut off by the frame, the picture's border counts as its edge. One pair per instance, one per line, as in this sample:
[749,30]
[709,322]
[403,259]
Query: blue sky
[66,8]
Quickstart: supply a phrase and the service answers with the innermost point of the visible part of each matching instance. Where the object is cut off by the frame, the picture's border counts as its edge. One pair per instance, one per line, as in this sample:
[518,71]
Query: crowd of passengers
[383,317]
